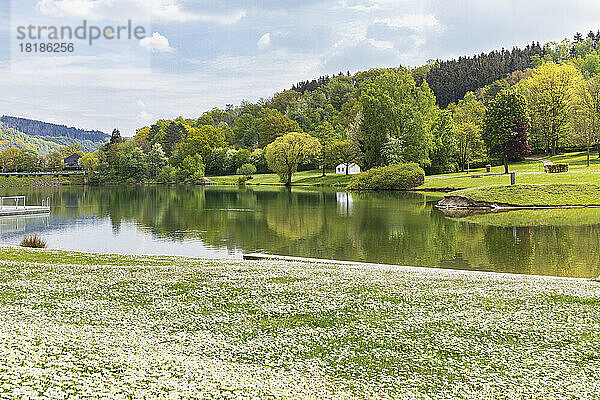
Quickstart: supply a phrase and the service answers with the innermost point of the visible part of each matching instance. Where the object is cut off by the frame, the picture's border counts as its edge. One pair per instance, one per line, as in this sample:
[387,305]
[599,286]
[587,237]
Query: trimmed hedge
[391,177]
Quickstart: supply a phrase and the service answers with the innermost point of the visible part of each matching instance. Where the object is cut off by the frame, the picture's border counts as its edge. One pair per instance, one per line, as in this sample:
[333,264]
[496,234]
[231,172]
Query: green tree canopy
[272,125]
[505,126]
[551,96]
[157,159]
[288,151]
[394,106]
[203,140]
[444,151]
[89,162]
[468,121]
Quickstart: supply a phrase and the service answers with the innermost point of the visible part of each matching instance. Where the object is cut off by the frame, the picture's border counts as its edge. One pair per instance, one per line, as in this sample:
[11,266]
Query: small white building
[352,169]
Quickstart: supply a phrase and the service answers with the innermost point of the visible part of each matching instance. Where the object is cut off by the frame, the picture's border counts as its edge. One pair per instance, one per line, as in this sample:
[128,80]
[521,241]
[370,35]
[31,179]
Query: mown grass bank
[534,195]
[528,172]
[555,217]
[78,325]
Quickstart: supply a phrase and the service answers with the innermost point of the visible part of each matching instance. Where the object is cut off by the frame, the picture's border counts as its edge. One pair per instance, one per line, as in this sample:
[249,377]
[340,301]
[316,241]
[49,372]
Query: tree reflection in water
[394,228]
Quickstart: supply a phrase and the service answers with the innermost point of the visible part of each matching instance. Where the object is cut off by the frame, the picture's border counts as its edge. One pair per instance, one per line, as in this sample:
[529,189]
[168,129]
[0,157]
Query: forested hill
[451,80]
[54,131]
[11,138]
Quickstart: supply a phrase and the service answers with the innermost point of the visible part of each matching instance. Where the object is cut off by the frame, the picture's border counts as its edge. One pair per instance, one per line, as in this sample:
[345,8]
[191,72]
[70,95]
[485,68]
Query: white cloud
[366,6]
[161,10]
[417,22]
[74,8]
[381,44]
[157,43]
[264,41]
[144,116]
[170,10]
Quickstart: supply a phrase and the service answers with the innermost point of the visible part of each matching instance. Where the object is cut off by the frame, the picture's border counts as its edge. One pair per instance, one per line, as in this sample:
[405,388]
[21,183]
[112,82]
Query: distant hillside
[59,134]
[10,137]
[450,80]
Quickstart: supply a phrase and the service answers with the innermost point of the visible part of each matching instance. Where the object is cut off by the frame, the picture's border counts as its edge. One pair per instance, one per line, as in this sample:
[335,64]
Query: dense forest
[59,134]
[444,116]
[451,80]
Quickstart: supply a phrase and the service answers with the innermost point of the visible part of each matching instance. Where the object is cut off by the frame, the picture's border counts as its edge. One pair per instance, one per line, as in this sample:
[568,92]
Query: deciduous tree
[468,121]
[394,107]
[272,125]
[203,140]
[157,159]
[288,151]
[325,134]
[586,124]
[55,161]
[444,151]
[505,126]
[89,162]
[551,97]
[341,152]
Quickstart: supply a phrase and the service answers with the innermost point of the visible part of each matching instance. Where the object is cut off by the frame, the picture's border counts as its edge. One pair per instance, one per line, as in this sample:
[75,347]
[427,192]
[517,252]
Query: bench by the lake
[15,205]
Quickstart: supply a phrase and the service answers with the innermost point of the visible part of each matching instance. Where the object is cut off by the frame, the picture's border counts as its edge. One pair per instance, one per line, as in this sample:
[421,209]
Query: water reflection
[390,228]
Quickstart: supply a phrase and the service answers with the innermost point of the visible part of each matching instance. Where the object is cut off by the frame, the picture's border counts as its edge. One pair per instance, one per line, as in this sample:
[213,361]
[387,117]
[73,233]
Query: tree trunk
[588,153]
[347,169]
[323,169]
[505,164]
[289,181]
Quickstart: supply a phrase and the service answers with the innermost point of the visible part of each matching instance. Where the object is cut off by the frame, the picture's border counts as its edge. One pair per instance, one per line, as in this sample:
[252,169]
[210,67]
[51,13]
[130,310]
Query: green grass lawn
[535,195]
[528,172]
[530,218]
[80,326]
[303,178]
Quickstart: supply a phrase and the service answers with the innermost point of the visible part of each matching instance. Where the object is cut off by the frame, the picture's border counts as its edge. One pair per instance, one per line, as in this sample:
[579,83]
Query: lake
[391,228]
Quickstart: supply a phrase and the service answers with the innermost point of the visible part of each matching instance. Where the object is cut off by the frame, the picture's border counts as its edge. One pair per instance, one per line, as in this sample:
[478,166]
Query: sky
[196,55]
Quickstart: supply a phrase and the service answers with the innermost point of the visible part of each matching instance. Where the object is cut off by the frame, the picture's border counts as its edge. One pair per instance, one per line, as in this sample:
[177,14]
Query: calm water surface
[395,228]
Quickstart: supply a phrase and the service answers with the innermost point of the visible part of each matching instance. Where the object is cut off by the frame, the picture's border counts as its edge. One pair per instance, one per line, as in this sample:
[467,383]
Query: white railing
[10,200]
[46,202]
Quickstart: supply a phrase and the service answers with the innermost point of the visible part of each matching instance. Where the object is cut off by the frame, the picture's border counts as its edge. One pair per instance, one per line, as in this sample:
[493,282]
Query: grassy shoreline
[132,326]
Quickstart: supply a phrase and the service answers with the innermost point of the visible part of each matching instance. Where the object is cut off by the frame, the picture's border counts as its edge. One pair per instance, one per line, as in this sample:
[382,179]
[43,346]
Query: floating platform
[11,206]
[26,210]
